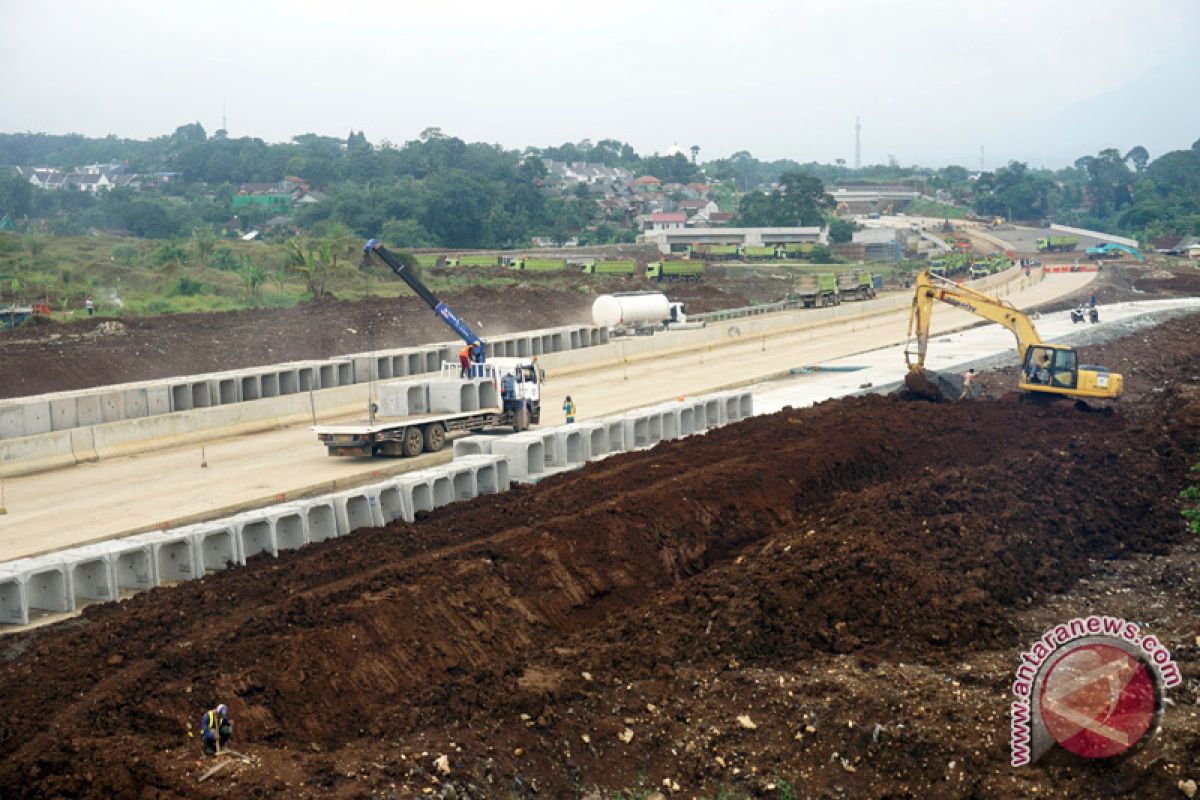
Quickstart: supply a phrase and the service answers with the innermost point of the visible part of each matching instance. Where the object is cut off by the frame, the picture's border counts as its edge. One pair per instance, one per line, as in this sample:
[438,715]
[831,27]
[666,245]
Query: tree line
[440,191]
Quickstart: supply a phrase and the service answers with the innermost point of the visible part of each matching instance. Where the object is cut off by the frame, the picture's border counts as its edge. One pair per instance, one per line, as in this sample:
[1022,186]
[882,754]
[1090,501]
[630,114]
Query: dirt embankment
[831,574]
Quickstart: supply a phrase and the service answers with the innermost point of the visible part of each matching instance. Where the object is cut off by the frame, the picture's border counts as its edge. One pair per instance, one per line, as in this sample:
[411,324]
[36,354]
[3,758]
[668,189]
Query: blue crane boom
[440,308]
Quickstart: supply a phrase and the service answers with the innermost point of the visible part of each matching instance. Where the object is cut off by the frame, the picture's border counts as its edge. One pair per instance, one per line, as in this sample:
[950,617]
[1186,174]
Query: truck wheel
[435,437]
[535,413]
[414,442]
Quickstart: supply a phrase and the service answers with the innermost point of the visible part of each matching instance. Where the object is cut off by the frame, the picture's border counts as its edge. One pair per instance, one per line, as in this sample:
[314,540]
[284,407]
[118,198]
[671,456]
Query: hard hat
[222,710]
[477,341]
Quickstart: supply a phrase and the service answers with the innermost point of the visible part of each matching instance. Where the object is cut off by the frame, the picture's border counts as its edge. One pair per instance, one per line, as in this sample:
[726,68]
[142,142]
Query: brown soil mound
[607,627]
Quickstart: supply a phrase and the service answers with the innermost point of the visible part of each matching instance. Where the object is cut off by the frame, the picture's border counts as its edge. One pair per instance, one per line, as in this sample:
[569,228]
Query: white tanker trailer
[639,313]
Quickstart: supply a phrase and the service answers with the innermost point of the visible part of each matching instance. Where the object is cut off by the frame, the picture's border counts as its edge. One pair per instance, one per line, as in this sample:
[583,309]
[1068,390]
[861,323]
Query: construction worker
[90,305]
[215,729]
[464,361]
[968,385]
[569,409]
[477,357]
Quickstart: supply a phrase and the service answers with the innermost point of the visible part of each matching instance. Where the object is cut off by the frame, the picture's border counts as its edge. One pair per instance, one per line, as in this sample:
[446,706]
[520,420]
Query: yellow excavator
[1047,370]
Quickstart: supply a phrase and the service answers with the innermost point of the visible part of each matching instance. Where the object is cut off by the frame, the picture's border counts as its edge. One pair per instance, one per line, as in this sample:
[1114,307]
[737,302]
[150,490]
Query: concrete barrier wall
[65,581]
[31,416]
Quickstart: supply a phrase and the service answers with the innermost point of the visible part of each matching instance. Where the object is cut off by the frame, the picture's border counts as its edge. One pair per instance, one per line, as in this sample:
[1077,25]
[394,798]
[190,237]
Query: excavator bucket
[929,385]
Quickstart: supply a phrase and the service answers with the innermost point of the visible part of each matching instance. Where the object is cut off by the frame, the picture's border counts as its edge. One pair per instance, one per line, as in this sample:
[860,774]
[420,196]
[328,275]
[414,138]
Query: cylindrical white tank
[641,308]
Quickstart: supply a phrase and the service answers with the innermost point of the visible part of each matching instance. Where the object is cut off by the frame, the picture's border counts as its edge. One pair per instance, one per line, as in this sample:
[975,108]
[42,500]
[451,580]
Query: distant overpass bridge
[753,237]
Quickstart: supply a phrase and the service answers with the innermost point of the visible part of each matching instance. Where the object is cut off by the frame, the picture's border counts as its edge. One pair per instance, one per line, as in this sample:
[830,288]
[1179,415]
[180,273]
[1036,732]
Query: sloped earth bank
[856,579]
[52,357]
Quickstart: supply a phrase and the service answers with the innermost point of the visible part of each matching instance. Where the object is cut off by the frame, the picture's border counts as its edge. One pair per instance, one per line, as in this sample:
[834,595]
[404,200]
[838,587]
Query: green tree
[842,231]
[315,261]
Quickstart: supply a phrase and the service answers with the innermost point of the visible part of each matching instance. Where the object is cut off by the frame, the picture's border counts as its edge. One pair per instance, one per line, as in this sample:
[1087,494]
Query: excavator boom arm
[968,299]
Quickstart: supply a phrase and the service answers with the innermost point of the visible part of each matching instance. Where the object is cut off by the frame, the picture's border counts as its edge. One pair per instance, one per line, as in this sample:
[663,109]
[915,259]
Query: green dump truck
[857,284]
[541,264]
[675,271]
[714,252]
[795,250]
[628,268]
[818,290]
[1056,244]
[759,253]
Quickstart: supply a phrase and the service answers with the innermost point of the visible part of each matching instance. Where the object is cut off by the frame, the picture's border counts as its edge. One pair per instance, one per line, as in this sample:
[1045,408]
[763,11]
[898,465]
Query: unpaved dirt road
[92,502]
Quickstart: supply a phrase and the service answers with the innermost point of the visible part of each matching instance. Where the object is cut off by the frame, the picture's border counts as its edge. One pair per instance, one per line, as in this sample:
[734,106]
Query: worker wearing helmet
[477,357]
[464,362]
[215,729]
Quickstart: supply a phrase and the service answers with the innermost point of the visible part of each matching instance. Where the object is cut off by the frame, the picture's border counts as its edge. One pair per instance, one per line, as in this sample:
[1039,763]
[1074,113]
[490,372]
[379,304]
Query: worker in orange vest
[464,360]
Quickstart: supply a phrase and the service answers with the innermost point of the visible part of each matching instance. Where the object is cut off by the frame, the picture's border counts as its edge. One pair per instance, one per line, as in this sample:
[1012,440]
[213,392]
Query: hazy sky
[1043,81]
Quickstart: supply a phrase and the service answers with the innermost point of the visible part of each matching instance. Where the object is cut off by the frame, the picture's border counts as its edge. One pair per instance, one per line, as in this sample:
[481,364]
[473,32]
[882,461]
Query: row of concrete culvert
[69,579]
[31,416]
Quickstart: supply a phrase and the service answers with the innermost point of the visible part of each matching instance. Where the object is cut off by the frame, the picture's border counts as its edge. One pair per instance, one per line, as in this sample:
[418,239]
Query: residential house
[646,183]
[1166,244]
[666,221]
[93,182]
[719,218]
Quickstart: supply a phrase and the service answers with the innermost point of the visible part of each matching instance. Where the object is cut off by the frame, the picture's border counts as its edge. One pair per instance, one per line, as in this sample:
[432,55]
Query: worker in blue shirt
[215,729]
[569,409]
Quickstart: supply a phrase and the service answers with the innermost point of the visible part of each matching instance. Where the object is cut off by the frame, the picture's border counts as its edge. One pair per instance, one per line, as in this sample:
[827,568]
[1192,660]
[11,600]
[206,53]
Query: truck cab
[517,380]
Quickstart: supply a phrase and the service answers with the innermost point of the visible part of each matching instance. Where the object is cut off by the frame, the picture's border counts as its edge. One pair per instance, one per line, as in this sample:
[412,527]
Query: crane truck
[1047,370]
[517,383]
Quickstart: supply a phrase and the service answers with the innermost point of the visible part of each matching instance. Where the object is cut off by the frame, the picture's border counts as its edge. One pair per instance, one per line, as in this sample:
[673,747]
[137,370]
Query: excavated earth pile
[829,601]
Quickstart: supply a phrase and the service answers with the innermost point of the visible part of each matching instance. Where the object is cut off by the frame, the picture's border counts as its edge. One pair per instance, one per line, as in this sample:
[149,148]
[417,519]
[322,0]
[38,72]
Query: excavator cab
[1054,369]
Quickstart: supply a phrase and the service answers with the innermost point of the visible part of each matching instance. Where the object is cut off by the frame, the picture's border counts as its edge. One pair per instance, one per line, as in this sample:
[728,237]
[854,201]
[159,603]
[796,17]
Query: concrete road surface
[93,502]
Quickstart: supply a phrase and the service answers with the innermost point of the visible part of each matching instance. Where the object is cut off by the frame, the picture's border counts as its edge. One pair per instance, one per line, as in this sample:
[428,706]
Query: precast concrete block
[670,421]
[403,398]
[736,405]
[308,378]
[289,381]
[536,344]
[413,360]
[357,508]
[327,375]
[64,413]
[228,390]
[268,383]
[687,419]
[596,436]
[133,562]
[462,478]
[616,435]
[320,520]
[391,500]
[449,397]
[345,371]
[250,386]
[12,422]
[571,445]
[158,399]
[524,346]
[135,403]
[255,534]
[448,354]
[575,339]
[472,446]
[190,394]
[112,406]
[91,574]
[288,522]
[490,472]
[525,453]
[215,544]
[36,417]
[14,608]
[432,359]
[87,409]
[488,396]
[46,584]
[173,555]
[416,493]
